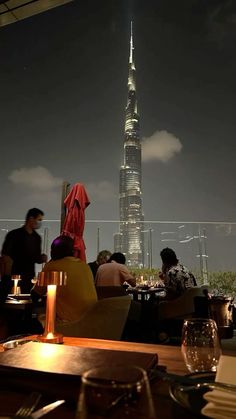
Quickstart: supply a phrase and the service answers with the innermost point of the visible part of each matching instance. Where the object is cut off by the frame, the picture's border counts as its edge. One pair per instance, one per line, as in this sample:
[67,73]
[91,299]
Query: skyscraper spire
[131,78]
[130,239]
[131,43]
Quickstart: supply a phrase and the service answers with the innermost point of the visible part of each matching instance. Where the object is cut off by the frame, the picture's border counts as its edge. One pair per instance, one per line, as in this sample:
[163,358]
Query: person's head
[34,218]
[118,257]
[61,247]
[103,257]
[168,257]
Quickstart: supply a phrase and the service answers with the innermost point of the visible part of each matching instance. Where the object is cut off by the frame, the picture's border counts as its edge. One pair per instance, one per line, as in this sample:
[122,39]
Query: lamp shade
[58,278]
[16,277]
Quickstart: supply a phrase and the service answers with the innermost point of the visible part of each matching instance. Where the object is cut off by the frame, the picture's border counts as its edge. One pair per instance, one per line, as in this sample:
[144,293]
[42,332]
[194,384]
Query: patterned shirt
[178,279]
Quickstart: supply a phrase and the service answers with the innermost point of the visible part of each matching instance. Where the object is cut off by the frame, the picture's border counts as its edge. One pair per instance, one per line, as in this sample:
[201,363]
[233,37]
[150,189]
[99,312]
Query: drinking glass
[200,345]
[115,393]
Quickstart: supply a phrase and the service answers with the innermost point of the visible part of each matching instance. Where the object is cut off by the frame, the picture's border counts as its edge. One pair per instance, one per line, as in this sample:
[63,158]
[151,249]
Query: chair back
[104,320]
[182,306]
[110,291]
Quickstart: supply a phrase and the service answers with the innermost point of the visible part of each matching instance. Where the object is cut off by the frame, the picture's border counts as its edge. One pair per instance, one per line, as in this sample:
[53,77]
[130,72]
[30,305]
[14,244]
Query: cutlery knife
[46,409]
[174,378]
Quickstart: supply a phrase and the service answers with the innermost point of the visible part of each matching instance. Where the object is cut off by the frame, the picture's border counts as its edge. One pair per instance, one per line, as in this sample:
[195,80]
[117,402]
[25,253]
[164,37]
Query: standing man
[23,246]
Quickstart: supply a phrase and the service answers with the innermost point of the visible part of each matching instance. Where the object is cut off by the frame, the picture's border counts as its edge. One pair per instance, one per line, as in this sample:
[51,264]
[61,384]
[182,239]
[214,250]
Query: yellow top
[74,299]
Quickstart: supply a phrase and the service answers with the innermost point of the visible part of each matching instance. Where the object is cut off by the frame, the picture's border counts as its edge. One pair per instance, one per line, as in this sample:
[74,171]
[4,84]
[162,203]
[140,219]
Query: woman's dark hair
[168,257]
[118,257]
[61,247]
[34,213]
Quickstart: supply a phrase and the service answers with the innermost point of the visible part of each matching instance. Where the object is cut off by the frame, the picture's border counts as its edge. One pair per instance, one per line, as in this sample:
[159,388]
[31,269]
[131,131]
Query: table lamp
[51,280]
[16,289]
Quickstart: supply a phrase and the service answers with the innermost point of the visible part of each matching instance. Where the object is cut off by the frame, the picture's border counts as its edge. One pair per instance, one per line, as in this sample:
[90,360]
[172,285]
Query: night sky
[63,87]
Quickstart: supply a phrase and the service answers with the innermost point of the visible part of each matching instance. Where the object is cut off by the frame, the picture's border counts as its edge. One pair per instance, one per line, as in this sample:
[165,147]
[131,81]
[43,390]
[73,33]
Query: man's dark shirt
[24,249]
[94,267]
[5,288]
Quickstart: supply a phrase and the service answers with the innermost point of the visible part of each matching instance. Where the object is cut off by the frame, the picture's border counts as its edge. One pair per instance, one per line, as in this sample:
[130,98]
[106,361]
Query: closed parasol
[76,202]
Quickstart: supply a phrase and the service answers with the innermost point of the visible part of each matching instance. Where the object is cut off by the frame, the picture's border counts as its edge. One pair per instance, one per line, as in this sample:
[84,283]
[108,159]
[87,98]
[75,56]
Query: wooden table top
[170,356]
[167,355]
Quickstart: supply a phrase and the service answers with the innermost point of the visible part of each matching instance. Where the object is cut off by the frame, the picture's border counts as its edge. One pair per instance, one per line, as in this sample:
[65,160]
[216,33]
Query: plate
[11,344]
[192,400]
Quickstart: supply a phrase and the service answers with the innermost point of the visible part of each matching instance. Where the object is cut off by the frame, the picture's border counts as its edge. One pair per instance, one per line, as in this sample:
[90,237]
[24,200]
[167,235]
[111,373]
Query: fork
[28,406]
[186,383]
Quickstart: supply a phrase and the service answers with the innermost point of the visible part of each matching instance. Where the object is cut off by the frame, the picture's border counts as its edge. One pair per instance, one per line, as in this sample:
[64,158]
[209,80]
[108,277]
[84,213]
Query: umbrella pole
[64,193]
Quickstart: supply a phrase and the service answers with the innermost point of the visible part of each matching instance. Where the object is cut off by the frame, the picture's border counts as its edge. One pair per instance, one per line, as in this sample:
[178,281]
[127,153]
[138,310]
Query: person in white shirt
[114,272]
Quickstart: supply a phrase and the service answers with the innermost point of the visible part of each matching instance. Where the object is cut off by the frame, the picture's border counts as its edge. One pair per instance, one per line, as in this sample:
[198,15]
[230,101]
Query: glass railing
[205,248]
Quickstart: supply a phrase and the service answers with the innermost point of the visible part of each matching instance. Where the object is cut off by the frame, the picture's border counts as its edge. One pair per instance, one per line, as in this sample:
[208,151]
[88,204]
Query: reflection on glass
[200,345]
[115,393]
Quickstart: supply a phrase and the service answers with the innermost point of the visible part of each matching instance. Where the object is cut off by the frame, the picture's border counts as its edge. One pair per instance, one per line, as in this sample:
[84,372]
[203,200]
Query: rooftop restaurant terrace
[125,326]
[205,247]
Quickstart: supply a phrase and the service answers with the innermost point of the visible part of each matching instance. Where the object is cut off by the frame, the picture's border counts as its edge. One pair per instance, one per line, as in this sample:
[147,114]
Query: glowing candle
[50,311]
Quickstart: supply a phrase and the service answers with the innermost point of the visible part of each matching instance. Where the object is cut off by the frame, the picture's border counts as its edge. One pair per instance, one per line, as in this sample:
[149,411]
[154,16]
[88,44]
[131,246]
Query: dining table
[145,293]
[20,303]
[168,356]
[19,297]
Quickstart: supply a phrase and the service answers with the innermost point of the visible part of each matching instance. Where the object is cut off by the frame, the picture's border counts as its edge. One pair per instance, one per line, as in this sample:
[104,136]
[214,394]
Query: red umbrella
[76,202]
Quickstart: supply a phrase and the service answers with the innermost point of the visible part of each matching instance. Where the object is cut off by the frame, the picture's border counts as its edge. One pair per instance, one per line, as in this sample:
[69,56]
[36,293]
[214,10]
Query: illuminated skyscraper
[130,238]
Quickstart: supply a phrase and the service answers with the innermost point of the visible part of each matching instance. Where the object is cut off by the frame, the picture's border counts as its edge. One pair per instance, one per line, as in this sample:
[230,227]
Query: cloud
[162,145]
[221,20]
[38,178]
[101,191]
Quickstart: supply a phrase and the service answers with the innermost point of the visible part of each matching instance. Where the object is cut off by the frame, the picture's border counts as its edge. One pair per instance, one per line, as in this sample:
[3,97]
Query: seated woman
[175,276]
[74,299]
[177,279]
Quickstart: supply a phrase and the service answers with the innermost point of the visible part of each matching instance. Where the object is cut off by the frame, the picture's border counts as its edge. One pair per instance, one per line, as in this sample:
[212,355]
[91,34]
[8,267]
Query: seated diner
[74,299]
[114,272]
[176,277]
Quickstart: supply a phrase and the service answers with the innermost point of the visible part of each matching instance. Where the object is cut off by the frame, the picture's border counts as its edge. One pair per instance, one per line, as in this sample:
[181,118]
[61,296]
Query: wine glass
[117,392]
[200,345]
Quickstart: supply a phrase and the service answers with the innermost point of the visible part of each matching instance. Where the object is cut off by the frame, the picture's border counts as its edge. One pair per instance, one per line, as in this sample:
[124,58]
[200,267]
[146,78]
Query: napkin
[221,404]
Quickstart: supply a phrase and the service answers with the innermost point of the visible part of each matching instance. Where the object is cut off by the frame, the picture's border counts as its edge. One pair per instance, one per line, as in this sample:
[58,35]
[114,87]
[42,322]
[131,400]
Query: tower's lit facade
[130,238]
